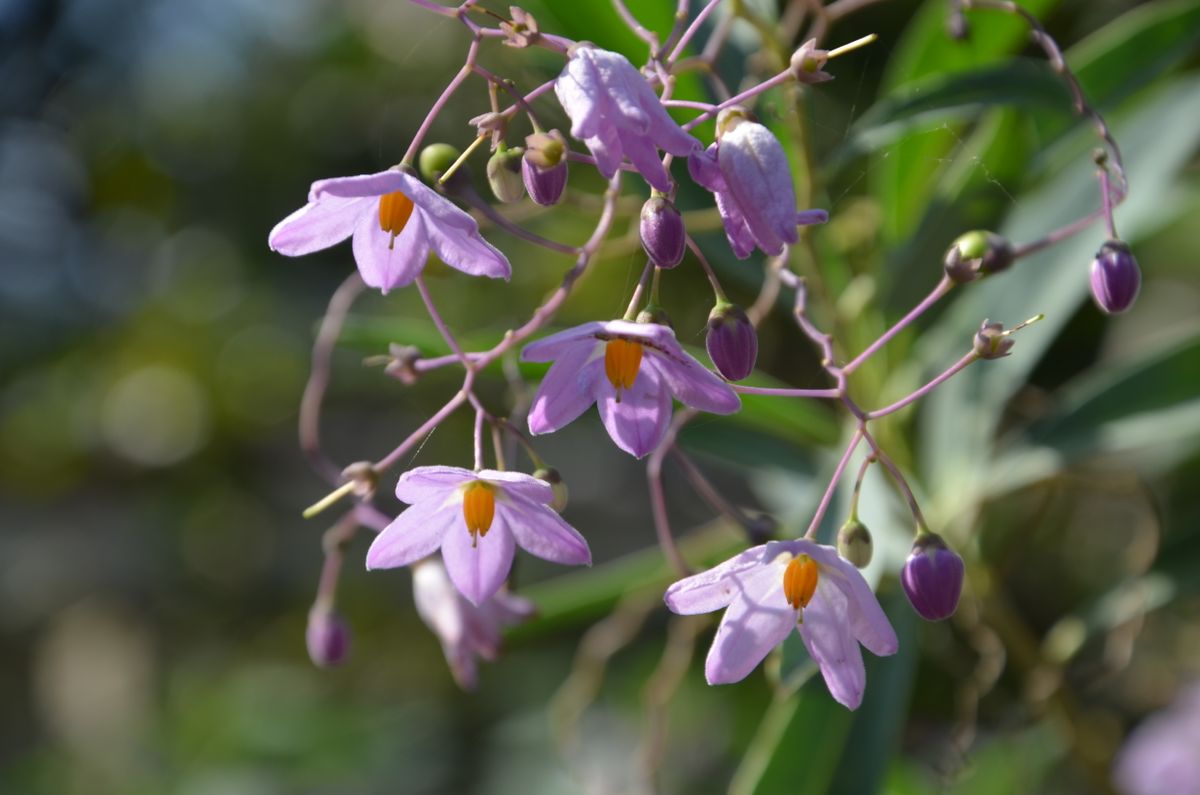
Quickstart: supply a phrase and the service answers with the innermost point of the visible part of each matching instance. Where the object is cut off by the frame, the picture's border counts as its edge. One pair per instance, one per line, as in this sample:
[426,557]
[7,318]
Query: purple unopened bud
[662,232]
[328,637]
[544,167]
[932,577]
[975,255]
[1116,277]
[732,342]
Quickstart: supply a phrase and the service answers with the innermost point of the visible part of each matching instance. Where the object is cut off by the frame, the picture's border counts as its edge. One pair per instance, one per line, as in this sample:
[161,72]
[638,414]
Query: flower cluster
[632,368]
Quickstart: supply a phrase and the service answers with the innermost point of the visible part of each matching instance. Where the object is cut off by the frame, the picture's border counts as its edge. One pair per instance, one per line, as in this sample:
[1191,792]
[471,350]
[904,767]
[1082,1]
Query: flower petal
[580,93]
[518,483]
[605,146]
[705,169]
[550,348]
[867,619]
[826,631]
[623,87]
[317,225]
[414,534]
[638,421]
[359,186]
[478,571]
[757,620]
[694,384]
[437,601]
[422,484]
[641,152]
[737,231]
[387,263]
[715,588]
[567,390]
[756,170]
[540,531]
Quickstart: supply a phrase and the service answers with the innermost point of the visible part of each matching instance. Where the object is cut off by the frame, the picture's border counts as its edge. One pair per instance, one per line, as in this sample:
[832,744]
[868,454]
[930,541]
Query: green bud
[653,313]
[977,254]
[435,159]
[554,478]
[854,543]
[504,174]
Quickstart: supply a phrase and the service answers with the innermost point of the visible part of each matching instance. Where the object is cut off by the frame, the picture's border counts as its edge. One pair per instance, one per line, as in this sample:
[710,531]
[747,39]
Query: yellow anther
[622,360]
[479,508]
[800,581]
[394,211]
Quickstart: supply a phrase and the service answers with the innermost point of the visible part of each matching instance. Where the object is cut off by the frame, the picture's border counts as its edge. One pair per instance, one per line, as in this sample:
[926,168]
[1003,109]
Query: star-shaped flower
[466,631]
[615,112]
[771,589]
[395,220]
[630,371]
[748,172]
[477,519]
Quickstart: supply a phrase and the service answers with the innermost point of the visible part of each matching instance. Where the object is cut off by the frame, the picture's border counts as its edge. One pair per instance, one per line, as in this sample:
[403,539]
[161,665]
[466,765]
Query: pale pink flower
[615,112]
[748,172]
[769,590]
[630,371]
[465,630]
[477,519]
[395,220]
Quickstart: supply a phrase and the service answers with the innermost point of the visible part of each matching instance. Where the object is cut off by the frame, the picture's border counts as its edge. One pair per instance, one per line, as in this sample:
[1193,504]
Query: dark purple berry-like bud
[975,255]
[328,637]
[662,232]
[1116,277]
[504,174]
[932,577]
[544,167]
[732,342]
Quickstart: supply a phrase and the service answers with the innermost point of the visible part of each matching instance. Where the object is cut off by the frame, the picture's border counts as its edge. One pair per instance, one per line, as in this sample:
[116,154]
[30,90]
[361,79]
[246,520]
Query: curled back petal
[518,483]
[414,534]
[422,484]
[547,349]
[386,262]
[757,620]
[714,588]
[318,225]
[737,231]
[478,570]
[540,531]
[641,152]
[829,639]
[638,421]
[361,185]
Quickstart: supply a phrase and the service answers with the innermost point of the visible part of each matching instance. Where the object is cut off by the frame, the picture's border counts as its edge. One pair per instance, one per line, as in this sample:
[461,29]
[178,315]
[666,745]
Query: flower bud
[932,577]
[975,255]
[522,31]
[544,167]
[654,313]
[554,478]
[1116,277]
[732,342]
[327,637]
[504,174]
[662,232]
[435,159]
[854,543]
[730,118]
[991,342]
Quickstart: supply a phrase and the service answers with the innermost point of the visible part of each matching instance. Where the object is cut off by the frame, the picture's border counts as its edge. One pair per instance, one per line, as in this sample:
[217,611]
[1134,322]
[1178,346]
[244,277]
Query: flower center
[479,508]
[622,359]
[394,211]
[800,581]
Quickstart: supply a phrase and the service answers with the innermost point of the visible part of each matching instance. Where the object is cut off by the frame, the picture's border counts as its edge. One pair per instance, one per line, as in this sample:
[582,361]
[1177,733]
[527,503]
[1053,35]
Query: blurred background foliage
[155,572]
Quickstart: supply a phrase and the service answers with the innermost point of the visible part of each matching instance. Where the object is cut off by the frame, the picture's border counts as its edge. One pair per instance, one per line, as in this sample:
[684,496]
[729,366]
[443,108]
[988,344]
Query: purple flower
[770,590]
[748,172]
[1115,277]
[932,577]
[395,220]
[465,630]
[1160,757]
[615,112]
[630,371]
[732,342]
[476,518]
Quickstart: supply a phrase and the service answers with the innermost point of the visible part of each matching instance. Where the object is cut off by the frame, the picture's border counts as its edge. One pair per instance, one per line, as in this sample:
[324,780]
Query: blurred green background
[155,573]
